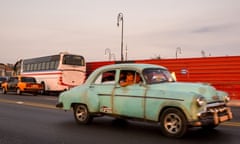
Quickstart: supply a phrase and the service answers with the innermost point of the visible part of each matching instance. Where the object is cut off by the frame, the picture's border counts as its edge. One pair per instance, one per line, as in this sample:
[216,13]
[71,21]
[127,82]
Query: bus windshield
[73,60]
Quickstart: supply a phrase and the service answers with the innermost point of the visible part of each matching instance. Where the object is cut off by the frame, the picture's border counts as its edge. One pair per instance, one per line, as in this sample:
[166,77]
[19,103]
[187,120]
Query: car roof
[131,65]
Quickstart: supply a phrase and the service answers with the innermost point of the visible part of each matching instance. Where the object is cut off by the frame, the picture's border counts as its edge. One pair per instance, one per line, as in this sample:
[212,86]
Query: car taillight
[60,80]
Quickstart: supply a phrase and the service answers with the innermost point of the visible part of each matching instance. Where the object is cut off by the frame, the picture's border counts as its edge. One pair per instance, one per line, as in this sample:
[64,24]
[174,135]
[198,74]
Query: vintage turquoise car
[152,95]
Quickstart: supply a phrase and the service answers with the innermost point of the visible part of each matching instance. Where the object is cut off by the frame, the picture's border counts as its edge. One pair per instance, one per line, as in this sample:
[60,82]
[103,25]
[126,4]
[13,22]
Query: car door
[129,100]
[103,86]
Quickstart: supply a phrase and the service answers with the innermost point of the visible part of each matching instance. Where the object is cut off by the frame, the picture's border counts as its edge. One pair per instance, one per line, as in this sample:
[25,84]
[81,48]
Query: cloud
[212,28]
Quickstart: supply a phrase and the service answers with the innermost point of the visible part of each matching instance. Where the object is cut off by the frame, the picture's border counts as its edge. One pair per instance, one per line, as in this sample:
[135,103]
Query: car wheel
[81,114]
[19,91]
[4,91]
[173,123]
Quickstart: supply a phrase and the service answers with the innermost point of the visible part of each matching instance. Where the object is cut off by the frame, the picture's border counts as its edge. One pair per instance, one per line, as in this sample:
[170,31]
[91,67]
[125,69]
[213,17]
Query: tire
[4,91]
[43,92]
[19,92]
[81,114]
[173,123]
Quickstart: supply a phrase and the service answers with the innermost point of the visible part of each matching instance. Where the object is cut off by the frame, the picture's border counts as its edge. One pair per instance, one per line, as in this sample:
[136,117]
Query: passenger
[138,78]
[129,80]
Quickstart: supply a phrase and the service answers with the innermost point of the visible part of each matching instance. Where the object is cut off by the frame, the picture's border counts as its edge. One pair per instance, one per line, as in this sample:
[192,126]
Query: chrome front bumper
[214,114]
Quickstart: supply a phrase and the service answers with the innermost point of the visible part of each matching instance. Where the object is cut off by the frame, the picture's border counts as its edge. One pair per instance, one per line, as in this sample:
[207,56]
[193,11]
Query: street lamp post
[120,18]
[110,54]
[108,50]
[178,50]
[113,56]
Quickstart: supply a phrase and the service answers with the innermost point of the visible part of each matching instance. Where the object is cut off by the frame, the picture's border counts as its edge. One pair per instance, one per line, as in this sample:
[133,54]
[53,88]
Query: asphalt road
[34,123]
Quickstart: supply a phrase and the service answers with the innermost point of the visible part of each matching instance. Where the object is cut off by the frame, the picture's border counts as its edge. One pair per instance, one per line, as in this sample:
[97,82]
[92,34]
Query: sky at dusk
[32,28]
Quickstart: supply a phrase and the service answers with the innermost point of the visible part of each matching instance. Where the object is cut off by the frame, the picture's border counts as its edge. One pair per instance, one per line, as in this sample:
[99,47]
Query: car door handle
[91,86]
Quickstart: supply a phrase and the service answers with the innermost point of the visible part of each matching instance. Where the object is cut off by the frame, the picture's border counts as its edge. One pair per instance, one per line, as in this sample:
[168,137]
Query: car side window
[107,77]
[13,80]
[129,77]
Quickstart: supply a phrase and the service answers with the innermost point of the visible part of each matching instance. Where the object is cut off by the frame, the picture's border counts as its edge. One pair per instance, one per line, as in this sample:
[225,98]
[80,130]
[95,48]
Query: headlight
[226,99]
[201,101]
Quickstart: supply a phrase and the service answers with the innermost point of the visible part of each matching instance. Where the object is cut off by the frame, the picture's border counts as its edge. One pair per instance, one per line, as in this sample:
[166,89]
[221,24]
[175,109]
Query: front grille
[219,108]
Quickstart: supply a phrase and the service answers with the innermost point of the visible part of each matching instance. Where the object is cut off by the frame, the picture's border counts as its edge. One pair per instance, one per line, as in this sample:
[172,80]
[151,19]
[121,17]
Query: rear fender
[88,98]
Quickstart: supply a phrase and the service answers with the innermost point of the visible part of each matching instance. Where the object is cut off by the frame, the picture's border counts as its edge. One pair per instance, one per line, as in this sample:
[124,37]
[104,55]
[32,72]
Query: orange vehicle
[20,84]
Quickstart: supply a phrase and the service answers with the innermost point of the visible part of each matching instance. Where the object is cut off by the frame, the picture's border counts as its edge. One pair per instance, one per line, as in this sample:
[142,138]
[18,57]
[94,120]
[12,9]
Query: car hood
[201,89]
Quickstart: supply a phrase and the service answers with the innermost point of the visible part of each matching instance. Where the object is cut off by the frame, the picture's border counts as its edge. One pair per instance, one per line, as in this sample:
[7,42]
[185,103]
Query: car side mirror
[174,76]
[140,84]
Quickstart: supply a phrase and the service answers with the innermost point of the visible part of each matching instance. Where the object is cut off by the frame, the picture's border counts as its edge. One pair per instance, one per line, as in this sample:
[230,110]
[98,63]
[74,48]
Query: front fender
[91,99]
[176,104]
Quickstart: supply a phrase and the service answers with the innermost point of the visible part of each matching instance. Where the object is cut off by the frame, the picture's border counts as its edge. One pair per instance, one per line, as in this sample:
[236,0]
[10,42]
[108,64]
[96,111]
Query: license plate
[34,86]
[223,118]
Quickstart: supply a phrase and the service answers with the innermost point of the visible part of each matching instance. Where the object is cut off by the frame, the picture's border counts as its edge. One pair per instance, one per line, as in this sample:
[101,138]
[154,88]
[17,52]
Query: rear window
[28,79]
[3,79]
[73,60]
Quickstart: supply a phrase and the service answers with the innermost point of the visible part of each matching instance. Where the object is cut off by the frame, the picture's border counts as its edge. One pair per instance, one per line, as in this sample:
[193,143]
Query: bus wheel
[42,92]
[19,91]
[81,114]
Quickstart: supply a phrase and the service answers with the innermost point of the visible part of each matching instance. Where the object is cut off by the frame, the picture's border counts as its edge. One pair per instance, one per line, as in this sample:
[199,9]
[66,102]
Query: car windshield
[157,75]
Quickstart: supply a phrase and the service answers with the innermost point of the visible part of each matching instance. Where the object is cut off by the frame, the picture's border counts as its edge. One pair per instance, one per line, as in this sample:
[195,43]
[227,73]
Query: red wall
[91,66]
[221,72]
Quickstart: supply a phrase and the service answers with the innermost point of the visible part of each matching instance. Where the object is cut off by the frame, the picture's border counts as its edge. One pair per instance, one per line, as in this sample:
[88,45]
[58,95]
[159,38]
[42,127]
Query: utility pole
[120,19]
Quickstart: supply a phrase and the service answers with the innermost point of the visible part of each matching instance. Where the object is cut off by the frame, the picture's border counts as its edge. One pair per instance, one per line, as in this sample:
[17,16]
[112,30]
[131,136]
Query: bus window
[39,66]
[43,66]
[56,64]
[25,68]
[31,67]
[47,65]
[52,65]
[35,67]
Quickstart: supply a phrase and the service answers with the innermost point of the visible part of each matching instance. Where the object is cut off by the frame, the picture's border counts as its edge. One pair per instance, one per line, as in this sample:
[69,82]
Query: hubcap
[81,113]
[18,91]
[172,123]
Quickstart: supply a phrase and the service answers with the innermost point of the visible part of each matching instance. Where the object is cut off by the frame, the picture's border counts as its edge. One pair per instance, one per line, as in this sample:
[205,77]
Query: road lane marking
[231,124]
[19,102]
[29,104]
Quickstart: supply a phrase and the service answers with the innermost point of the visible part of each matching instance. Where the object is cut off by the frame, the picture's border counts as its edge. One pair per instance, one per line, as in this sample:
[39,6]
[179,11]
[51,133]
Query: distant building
[2,69]
[6,69]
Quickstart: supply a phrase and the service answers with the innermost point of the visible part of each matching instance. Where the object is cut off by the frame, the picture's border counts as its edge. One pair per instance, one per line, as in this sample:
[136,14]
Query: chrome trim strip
[215,104]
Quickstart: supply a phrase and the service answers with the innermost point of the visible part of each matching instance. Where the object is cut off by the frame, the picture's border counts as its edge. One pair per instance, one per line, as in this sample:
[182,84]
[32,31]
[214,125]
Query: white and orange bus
[56,72]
